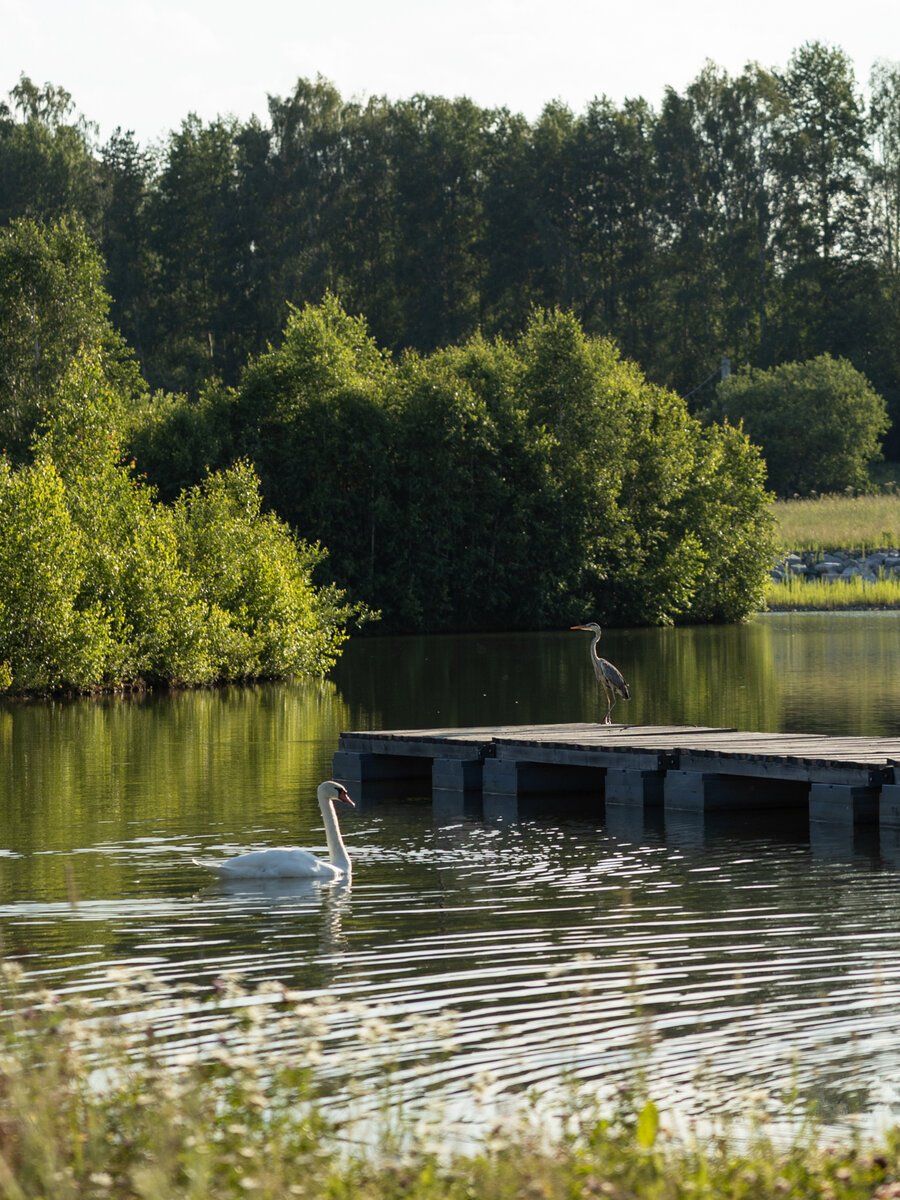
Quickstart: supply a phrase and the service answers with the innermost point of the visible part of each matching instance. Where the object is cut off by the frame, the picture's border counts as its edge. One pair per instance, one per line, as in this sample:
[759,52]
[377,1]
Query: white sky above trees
[145,64]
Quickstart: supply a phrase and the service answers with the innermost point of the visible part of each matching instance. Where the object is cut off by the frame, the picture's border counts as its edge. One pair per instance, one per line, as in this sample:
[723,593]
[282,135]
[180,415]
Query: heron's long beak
[578,626]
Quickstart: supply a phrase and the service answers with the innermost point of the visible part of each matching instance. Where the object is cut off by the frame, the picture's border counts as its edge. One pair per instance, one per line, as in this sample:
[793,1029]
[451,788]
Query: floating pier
[847,781]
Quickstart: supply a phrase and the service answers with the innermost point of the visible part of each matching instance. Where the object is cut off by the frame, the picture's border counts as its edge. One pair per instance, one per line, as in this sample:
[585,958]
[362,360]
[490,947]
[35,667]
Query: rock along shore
[837,565]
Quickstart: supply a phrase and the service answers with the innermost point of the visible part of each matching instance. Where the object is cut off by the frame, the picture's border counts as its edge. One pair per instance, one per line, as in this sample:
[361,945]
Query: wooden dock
[679,768]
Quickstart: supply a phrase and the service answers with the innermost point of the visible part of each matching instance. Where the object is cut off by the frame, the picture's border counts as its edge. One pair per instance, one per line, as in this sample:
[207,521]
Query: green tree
[47,167]
[726,508]
[617,206]
[367,243]
[307,148]
[202,258]
[883,359]
[129,554]
[721,204]
[311,416]
[249,567]
[52,302]
[824,233]
[126,172]
[48,638]
[617,534]
[452,501]
[438,149]
[103,586]
[819,423]
[512,250]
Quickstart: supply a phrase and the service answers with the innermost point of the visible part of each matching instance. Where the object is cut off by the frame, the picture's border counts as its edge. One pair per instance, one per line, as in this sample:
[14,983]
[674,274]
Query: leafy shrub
[52,302]
[819,423]
[494,484]
[104,586]
[250,569]
[48,636]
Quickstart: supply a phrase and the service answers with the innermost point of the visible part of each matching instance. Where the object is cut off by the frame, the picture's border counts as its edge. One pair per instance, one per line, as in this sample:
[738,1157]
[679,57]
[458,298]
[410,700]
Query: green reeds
[100,1104]
[795,594]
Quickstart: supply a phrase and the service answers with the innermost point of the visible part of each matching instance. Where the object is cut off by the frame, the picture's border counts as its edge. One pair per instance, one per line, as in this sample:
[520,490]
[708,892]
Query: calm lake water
[722,958]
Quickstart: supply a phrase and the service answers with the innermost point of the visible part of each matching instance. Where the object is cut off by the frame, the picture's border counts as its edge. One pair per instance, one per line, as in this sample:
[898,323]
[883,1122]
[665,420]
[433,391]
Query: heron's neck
[337,851]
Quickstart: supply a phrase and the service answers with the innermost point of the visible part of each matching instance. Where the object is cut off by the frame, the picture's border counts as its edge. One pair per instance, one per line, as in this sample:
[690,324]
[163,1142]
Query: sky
[145,65]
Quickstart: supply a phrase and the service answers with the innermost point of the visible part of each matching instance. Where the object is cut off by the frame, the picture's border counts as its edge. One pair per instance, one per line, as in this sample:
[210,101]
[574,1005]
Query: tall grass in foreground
[97,1106]
[839,522]
[794,594]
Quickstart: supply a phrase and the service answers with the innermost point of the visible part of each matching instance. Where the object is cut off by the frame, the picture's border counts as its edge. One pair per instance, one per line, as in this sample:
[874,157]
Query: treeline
[756,217]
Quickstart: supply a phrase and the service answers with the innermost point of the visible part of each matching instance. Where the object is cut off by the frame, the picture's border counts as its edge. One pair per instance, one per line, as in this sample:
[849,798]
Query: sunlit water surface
[722,960]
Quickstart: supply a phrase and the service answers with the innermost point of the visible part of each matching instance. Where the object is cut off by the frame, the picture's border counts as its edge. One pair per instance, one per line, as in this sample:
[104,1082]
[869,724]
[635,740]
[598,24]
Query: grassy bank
[99,1106]
[829,523]
[839,522]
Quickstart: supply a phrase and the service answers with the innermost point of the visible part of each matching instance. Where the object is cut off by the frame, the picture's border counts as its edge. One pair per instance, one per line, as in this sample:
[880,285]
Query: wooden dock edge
[842,783]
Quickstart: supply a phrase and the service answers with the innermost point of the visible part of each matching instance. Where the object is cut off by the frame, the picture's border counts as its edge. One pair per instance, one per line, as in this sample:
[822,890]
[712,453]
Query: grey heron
[609,677]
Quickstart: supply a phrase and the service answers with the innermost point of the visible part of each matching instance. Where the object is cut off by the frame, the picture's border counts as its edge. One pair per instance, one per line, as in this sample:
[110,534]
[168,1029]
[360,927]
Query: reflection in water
[818,673]
[731,955]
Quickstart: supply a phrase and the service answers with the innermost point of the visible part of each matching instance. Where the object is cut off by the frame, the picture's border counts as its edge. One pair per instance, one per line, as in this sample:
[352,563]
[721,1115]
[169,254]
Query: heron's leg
[612,706]
[610,701]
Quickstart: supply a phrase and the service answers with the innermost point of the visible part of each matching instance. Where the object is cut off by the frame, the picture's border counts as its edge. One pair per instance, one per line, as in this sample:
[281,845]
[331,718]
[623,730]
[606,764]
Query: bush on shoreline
[519,484]
[104,587]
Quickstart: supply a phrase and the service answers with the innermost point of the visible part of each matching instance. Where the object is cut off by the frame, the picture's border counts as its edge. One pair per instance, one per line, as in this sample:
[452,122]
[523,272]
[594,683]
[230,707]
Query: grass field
[839,523]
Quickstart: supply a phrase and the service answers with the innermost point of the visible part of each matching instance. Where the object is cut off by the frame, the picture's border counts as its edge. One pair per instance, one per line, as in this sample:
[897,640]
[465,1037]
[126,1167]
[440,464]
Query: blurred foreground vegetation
[97,1104]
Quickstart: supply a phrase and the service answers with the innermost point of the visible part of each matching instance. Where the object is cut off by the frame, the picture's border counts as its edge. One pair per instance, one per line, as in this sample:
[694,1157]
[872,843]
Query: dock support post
[697,791]
[457,774]
[350,767]
[634,789]
[889,806]
[844,803]
[509,777]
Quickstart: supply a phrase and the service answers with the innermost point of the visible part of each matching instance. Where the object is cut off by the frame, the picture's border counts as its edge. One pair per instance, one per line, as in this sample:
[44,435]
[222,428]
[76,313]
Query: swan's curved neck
[337,851]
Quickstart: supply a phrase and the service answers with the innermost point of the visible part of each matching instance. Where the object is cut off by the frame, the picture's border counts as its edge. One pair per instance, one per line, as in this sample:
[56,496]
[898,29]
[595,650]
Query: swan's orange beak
[342,795]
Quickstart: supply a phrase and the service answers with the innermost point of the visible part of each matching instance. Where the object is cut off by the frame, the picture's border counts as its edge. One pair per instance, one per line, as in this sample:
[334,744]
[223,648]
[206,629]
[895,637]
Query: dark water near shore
[733,958]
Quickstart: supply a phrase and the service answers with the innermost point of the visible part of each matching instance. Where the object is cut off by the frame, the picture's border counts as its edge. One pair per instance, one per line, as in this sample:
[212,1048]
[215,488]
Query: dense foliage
[819,423]
[495,484]
[104,587]
[754,216]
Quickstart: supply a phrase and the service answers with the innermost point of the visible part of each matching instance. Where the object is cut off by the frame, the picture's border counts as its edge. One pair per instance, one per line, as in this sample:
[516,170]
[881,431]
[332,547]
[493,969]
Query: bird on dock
[289,862]
[609,677]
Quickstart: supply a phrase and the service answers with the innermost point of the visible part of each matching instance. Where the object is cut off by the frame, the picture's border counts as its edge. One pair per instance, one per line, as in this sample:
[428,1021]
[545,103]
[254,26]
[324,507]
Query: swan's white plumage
[290,862]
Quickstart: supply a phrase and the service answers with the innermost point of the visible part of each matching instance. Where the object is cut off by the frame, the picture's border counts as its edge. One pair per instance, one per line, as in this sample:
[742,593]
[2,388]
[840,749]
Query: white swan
[288,862]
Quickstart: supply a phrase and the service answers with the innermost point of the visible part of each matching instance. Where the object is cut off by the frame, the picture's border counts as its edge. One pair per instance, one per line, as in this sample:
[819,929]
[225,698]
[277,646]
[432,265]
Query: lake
[724,959]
